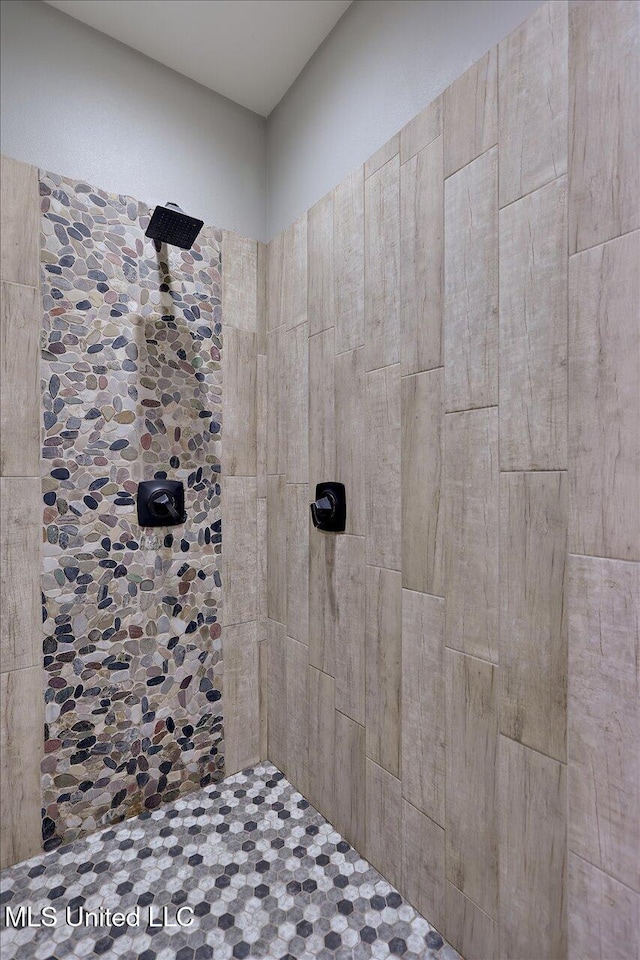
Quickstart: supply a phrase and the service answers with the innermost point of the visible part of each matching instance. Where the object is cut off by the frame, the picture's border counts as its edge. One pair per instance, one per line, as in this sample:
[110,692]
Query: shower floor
[263,872]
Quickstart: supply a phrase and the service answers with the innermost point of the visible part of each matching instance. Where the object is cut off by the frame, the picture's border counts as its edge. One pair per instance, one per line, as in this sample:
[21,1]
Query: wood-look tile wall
[21,694]
[454,682]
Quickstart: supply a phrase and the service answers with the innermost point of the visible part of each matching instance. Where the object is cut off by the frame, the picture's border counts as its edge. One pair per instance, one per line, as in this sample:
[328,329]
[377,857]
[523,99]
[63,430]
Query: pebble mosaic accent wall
[131,390]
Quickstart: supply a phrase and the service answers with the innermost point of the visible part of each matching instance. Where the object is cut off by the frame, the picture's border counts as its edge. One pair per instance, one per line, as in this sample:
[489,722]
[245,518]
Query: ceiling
[250,51]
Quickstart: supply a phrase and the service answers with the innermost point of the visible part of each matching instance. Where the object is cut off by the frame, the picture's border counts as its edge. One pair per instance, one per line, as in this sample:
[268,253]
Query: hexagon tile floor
[253,868]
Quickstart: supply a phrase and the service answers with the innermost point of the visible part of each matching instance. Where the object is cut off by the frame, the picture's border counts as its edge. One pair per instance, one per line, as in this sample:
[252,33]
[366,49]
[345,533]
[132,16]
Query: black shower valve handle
[329,510]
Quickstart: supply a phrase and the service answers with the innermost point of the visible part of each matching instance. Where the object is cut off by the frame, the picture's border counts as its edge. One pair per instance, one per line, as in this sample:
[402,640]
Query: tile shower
[450,688]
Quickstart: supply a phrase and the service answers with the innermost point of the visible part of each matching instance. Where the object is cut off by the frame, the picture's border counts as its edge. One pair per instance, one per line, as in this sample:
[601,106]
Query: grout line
[601,870]
[602,243]
[472,656]
[488,406]
[525,746]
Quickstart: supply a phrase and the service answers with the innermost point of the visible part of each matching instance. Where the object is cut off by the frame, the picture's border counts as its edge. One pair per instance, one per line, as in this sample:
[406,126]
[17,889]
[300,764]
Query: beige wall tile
[20,320]
[263,667]
[296,391]
[348,261]
[350,626]
[239,437]
[240,557]
[275,276]
[471,113]
[21,750]
[604,90]
[421,259]
[423,880]
[423,704]
[276,548]
[533,627]
[350,781]
[604,915]
[297,680]
[20,206]
[261,548]
[533,331]
[241,696]
[261,299]
[604,715]
[422,486]
[321,307]
[276,412]
[239,282]
[322,735]
[471,285]
[287,276]
[384,667]
[350,438]
[263,424]
[472,785]
[533,858]
[381,266]
[604,412]
[383,847]
[468,928]
[322,600]
[387,152]
[322,426]
[297,532]
[20,568]
[382,468]
[471,532]
[276,695]
[425,127]
[532,79]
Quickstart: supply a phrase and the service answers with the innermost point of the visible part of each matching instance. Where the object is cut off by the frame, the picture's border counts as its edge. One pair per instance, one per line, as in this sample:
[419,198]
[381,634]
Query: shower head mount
[170,224]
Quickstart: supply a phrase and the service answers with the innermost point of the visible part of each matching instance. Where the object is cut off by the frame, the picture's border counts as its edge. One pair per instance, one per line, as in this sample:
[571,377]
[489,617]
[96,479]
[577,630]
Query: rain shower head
[170,224]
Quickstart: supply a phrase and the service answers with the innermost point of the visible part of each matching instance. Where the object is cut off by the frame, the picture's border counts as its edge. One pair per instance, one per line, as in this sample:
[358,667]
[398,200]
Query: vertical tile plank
[275,276]
[241,697]
[276,549]
[468,928]
[423,864]
[384,667]
[322,600]
[276,695]
[350,626]
[604,915]
[20,311]
[297,680]
[350,426]
[422,493]
[239,282]
[423,704]
[533,331]
[533,858]
[421,130]
[350,781]
[604,412]
[471,537]
[533,627]
[261,548]
[322,427]
[239,437]
[604,715]
[296,389]
[421,259]
[20,568]
[262,429]
[472,789]
[261,297]
[240,557]
[263,667]
[471,285]
[321,309]
[383,846]
[322,735]
[276,412]
[297,559]
[20,241]
[471,113]
[382,468]
[21,750]
[381,264]
[533,109]
[604,90]
[348,261]
[387,152]
[294,273]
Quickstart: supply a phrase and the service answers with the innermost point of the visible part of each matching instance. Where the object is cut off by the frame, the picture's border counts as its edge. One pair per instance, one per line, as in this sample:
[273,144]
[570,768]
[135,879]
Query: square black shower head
[170,224]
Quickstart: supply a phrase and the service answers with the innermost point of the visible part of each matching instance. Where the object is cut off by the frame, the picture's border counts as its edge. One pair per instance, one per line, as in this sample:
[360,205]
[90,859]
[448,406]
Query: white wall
[80,104]
[383,62]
